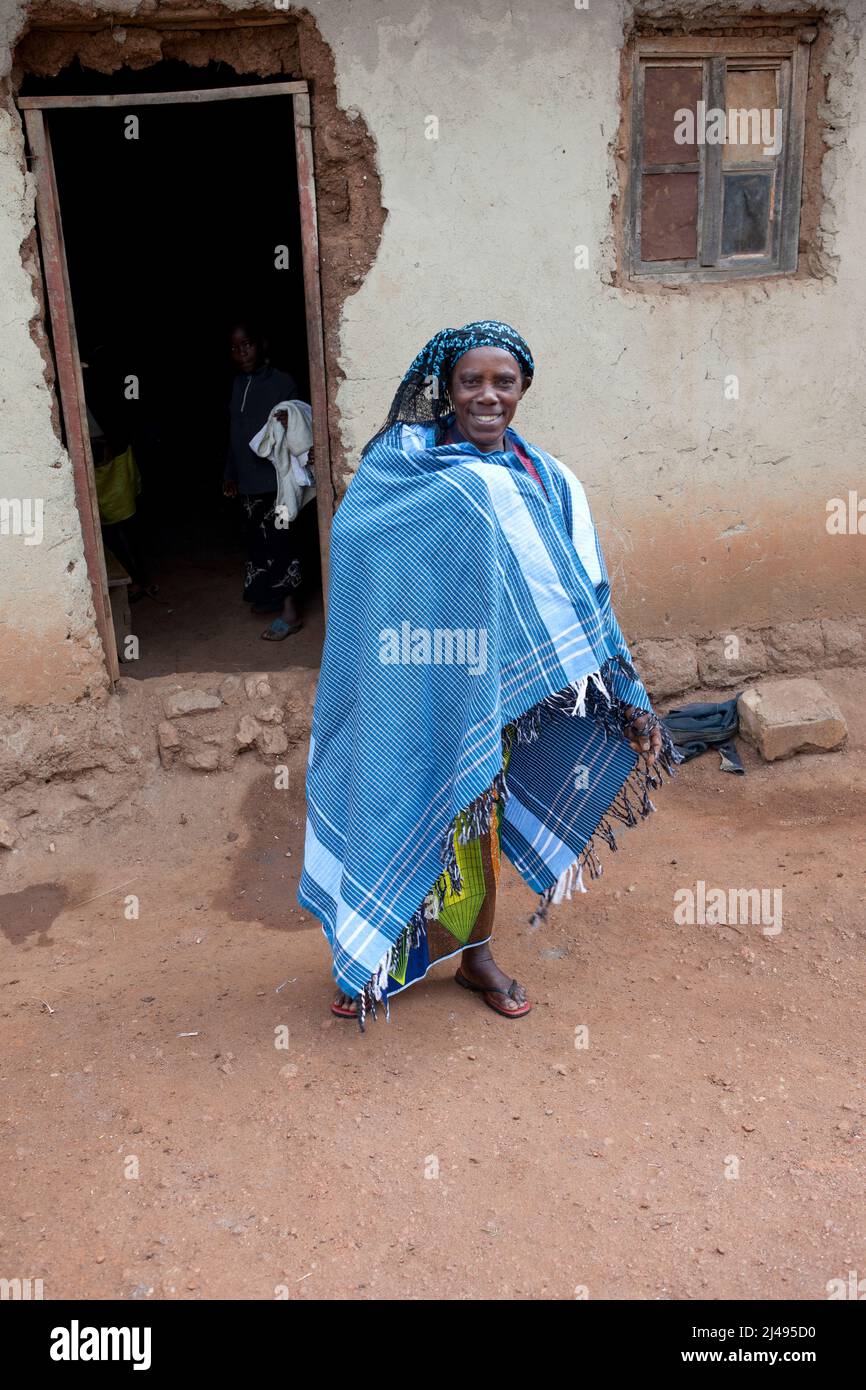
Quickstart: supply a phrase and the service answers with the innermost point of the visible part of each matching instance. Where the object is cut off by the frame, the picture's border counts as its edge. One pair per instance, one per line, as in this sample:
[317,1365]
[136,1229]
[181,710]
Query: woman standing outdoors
[273,568]
[476,692]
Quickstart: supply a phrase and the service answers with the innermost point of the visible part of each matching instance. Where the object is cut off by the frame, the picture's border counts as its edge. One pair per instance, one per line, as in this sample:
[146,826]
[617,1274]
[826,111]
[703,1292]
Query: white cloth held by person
[287,447]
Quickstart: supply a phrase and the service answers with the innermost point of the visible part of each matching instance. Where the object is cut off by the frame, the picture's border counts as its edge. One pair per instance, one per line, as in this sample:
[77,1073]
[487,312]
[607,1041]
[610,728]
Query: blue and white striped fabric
[450,540]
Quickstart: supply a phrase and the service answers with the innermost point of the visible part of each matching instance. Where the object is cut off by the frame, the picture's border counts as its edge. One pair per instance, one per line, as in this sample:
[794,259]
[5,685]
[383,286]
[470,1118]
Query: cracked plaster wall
[712,511]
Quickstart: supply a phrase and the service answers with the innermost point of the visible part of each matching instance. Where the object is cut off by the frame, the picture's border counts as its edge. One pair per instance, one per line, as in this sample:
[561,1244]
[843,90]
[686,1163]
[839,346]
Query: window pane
[666,91]
[753,120]
[746,217]
[669,217]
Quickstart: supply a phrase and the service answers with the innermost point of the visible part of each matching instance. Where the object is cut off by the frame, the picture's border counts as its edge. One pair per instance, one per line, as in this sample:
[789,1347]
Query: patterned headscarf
[422,395]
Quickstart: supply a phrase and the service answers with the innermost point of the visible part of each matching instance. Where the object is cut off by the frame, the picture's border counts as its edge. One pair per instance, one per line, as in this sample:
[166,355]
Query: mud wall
[713,510]
[350,219]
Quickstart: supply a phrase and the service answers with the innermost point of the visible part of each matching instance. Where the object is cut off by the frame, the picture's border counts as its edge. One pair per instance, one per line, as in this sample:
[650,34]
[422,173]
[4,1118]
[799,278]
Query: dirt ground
[198,621]
[199,612]
[157,1144]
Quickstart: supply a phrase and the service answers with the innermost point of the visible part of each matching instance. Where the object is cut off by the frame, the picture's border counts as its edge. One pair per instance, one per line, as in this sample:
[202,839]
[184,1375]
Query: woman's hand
[640,738]
[230,488]
[283,417]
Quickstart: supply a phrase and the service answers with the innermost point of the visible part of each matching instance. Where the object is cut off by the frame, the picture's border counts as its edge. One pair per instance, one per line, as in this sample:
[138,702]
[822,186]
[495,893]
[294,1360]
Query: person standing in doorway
[272,568]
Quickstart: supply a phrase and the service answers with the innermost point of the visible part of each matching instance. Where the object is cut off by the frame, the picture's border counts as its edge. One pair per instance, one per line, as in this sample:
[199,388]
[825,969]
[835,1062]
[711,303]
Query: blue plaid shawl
[465,608]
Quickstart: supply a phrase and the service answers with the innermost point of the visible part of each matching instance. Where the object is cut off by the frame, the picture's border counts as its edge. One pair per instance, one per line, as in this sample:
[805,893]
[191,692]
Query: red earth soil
[707,1143]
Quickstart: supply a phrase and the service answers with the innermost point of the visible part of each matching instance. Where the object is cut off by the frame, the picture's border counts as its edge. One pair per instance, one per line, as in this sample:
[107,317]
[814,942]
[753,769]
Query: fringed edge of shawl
[632,803]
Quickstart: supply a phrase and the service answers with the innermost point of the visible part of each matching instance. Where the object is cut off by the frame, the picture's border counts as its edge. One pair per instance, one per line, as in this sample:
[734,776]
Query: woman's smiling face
[486,387]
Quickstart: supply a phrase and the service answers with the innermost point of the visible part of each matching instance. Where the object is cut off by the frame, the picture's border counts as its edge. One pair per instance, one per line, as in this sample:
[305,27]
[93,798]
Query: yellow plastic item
[118,483]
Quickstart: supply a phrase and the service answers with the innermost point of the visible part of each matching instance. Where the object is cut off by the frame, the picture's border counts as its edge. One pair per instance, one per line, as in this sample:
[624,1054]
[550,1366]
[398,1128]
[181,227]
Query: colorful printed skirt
[464,918]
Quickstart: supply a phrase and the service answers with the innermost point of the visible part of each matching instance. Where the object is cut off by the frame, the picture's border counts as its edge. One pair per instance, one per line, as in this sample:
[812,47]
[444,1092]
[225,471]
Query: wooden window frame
[70,385]
[790,57]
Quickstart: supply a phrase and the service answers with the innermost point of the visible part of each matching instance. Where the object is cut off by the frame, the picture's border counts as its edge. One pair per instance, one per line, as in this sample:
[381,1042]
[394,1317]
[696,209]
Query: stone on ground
[247,731]
[189,702]
[783,717]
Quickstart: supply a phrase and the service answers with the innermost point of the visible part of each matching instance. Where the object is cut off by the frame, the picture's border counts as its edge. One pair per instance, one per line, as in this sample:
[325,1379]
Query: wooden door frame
[55,274]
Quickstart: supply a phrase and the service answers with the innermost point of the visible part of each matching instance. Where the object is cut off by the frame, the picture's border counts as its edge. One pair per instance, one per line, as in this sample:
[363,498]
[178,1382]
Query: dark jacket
[252,400]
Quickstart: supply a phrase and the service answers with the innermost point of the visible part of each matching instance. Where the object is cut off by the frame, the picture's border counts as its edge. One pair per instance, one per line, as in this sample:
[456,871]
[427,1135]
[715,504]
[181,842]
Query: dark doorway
[173,225]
